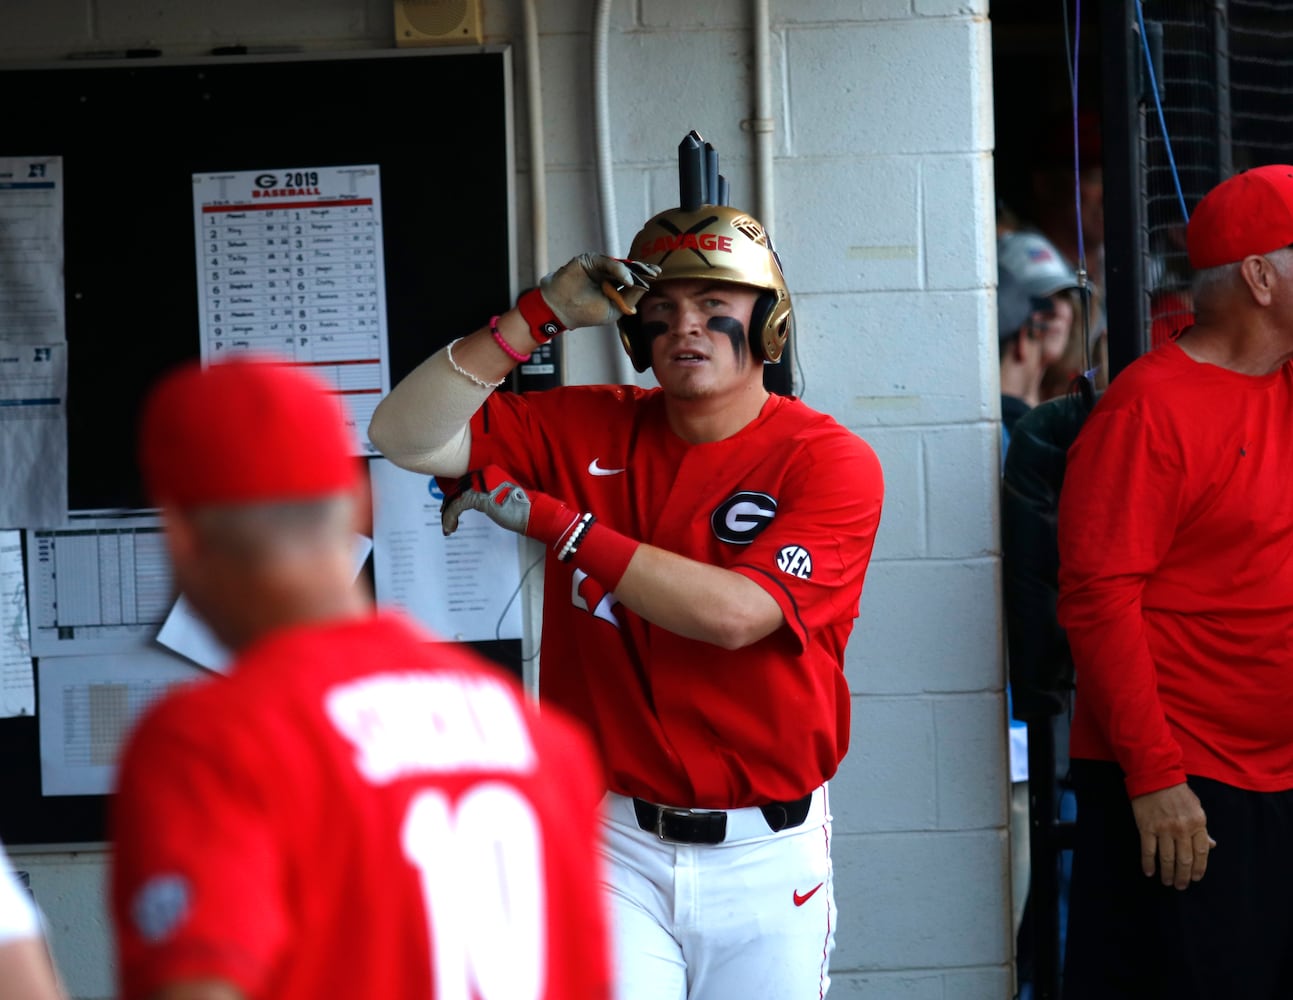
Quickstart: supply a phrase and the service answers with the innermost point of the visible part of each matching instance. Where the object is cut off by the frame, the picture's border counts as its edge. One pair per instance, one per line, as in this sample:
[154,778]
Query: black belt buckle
[681,826]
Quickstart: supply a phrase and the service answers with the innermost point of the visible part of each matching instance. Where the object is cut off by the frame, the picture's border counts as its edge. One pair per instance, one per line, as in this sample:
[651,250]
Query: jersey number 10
[481,867]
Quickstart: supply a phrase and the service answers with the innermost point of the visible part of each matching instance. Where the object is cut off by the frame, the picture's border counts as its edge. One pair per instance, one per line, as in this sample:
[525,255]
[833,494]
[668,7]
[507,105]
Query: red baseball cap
[246,431]
[1250,213]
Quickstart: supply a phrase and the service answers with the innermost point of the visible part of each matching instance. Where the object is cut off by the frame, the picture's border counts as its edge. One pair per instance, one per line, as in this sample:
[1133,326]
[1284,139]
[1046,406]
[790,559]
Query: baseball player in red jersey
[709,542]
[352,812]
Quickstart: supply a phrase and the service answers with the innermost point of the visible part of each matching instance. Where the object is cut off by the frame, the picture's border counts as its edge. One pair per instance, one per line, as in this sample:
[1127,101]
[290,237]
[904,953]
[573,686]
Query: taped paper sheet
[89,704]
[464,587]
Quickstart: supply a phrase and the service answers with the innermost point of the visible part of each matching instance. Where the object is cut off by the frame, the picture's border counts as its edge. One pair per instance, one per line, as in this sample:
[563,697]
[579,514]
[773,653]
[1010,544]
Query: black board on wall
[132,133]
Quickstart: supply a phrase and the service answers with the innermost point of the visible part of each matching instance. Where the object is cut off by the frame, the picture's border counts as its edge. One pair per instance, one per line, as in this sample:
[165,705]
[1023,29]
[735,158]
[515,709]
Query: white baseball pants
[749,918]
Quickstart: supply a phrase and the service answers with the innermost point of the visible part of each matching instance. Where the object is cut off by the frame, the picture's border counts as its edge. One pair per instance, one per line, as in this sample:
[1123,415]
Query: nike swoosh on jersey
[596,470]
[801,900]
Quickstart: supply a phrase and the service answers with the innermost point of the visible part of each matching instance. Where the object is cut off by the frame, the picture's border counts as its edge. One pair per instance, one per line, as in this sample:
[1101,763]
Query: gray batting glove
[595,290]
[504,503]
[494,493]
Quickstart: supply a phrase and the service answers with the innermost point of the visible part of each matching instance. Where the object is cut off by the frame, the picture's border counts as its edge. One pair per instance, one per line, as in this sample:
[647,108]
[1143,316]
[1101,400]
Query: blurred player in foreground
[352,812]
[26,972]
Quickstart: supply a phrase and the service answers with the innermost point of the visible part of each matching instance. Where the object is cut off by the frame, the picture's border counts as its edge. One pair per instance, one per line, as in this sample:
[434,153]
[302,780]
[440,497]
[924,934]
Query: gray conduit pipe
[605,162]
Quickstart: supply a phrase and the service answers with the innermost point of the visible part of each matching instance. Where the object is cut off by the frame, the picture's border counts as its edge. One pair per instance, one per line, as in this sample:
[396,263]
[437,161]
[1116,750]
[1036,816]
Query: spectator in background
[1057,207]
[26,972]
[1170,311]
[1171,307]
[1035,313]
[1041,677]
[1036,293]
[1060,204]
[1038,240]
[354,811]
[1176,594]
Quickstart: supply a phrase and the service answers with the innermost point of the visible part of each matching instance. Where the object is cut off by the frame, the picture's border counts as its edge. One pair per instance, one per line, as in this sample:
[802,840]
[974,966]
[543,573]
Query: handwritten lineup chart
[290,264]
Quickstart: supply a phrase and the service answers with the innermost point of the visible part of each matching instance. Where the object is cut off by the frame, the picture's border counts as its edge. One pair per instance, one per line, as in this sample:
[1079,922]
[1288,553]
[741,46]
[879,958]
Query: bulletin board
[133,134]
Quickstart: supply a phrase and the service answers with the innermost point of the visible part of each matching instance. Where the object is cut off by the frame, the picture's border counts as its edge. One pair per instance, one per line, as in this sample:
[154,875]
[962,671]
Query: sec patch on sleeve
[160,905]
[795,560]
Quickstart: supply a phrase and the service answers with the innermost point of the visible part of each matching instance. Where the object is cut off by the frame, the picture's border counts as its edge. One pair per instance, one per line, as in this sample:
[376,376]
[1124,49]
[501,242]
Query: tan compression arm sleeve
[424,423]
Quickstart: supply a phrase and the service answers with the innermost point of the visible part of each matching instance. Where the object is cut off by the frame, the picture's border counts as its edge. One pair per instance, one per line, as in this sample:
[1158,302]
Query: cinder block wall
[884,218]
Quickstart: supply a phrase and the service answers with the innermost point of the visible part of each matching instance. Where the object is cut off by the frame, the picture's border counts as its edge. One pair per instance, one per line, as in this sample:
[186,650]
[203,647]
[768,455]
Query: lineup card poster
[101,585]
[290,263]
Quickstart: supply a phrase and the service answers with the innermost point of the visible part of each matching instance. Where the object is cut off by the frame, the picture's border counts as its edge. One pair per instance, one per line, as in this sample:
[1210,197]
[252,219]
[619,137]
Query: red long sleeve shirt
[1176,575]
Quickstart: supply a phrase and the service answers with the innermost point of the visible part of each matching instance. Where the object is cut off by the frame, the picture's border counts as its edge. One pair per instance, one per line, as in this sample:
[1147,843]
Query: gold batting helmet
[716,243]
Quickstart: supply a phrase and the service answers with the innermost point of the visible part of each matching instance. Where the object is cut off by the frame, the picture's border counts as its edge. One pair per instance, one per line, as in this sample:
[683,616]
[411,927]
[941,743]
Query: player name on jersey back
[407,724]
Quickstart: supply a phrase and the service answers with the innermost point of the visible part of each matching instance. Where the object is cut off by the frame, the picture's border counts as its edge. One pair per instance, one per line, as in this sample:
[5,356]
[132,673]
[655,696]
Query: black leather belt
[687,826]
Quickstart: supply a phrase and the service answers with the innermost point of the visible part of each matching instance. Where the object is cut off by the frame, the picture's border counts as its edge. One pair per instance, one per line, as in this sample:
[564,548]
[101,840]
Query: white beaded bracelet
[575,538]
[468,375]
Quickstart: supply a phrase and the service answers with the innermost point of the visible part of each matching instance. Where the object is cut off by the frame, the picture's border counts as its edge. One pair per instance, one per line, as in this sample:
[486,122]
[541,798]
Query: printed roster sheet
[290,263]
[89,704]
[99,591]
[17,683]
[31,249]
[100,585]
[33,350]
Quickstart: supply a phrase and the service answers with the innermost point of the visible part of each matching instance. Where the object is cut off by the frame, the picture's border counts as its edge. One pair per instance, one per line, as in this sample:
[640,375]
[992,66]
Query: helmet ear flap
[636,346]
[770,326]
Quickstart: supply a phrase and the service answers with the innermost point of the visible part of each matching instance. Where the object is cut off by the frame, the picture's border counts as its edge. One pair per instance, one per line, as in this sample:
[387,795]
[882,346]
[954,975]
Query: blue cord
[1158,105]
[1077,161]
[1087,378]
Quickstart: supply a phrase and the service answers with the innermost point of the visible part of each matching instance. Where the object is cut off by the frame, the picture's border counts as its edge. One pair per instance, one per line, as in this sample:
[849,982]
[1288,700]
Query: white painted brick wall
[898,358]
[919,900]
[970,761]
[928,625]
[962,510]
[884,217]
[668,81]
[889,781]
[954,984]
[888,87]
[72,892]
[503,18]
[956,191]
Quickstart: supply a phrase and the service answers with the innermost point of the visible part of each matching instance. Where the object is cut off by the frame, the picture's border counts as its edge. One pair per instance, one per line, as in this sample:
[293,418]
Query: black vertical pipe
[1126,228]
[1221,71]
[1043,860]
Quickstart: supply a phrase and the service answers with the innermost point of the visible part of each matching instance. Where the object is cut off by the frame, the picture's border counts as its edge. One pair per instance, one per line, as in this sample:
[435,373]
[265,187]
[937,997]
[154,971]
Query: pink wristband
[508,349]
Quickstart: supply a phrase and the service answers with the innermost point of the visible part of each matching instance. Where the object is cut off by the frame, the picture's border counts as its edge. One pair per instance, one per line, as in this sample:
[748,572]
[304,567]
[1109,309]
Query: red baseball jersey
[1176,575]
[792,502]
[356,813]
